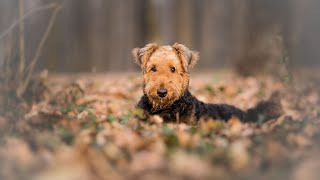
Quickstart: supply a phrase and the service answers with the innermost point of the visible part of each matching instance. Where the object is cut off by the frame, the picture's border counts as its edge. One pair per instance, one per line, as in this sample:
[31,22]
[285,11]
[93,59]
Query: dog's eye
[153,69]
[173,69]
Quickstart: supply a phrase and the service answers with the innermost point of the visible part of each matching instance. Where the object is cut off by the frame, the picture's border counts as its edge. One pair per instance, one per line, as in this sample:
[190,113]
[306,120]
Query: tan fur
[142,55]
[163,58]
[188,58]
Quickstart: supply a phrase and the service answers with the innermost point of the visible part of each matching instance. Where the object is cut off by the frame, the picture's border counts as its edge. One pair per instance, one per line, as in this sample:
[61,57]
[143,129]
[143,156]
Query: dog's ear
[188,58]
[142,55]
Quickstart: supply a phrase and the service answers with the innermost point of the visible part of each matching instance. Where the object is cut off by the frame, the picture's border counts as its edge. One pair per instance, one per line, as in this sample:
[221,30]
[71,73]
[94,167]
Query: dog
[166,89]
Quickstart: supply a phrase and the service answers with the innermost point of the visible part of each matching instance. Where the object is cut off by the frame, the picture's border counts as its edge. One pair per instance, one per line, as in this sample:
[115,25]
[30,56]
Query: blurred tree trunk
[239,28]
[265,38]
[73,38]
[206,30]
[98,28]
[113,21]
[8,14]
[161,16]
[214,32]
[185,22]
[117,36]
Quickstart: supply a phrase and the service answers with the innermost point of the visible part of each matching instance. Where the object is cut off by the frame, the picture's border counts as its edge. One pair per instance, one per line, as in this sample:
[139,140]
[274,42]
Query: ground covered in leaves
[86,127]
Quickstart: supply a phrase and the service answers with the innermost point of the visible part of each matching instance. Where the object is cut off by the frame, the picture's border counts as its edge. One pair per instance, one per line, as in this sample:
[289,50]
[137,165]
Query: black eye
[173,69]
[154,69]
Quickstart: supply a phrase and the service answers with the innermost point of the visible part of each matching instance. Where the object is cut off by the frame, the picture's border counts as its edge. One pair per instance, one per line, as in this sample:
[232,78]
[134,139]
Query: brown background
[98,35]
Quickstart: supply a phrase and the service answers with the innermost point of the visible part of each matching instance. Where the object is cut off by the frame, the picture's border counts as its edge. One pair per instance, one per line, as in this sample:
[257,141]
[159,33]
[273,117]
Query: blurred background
[98,35]
[87,101]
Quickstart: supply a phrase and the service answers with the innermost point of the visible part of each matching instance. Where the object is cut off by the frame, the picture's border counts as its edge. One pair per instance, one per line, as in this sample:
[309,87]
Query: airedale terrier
[165,87]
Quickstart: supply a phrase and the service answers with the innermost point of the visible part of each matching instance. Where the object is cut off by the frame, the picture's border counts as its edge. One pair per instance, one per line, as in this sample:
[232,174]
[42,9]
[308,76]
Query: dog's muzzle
[162,92]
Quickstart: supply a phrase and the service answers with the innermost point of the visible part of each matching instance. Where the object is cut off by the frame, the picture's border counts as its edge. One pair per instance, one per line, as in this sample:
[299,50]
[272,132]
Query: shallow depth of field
[68,90]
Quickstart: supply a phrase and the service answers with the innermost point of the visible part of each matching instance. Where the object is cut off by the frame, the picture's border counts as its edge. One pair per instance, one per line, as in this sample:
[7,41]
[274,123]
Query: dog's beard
[161,103]
[158,103]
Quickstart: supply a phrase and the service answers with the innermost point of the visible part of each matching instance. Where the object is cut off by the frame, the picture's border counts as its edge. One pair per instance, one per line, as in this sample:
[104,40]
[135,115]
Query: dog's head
[165,71]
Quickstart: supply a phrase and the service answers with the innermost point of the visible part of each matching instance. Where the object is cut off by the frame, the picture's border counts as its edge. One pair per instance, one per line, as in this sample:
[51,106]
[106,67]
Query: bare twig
[27,15]
[21,89]
[22,59]
[9,53]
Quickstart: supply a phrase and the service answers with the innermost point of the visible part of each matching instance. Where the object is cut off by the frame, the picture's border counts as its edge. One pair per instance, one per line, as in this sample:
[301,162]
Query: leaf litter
[88,128]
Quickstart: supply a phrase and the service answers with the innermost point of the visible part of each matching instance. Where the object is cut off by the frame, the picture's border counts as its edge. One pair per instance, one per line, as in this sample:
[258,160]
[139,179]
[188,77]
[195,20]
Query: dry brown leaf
[156,119]
[299,140]
[146,161]
[239,154]
[189,166]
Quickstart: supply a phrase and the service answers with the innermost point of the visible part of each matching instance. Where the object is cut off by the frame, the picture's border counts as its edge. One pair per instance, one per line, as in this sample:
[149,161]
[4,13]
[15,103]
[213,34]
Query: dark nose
[162,92]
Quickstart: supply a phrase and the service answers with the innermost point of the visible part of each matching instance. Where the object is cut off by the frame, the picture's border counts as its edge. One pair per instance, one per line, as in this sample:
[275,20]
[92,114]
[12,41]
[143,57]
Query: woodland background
[98,35]
[68,88]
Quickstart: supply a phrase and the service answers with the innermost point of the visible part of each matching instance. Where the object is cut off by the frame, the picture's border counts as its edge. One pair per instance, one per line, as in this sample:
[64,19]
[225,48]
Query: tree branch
[22,59]
[27,15]
[21,89]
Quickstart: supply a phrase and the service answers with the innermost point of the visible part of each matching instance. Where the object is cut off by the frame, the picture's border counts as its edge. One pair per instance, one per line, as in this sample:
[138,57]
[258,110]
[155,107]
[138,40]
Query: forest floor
[85,127]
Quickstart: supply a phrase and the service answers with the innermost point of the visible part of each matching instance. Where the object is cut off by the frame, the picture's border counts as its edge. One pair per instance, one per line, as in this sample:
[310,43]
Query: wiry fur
[179,105]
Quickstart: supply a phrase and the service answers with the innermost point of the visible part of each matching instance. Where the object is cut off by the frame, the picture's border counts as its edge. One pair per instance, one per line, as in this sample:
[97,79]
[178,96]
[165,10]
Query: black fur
[188,106]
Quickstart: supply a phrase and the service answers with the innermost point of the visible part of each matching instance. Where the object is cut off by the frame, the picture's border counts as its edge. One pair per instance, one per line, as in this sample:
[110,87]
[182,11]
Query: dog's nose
[162,92]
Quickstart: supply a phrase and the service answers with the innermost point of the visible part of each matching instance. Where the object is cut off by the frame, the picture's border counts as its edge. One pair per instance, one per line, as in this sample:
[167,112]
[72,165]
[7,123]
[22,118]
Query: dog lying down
[165,89]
